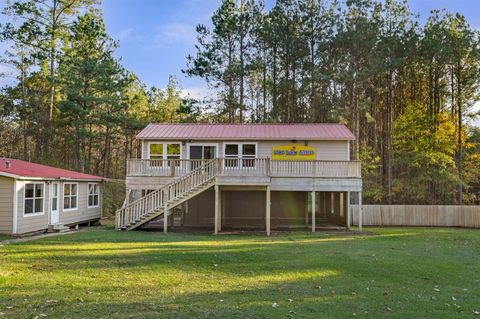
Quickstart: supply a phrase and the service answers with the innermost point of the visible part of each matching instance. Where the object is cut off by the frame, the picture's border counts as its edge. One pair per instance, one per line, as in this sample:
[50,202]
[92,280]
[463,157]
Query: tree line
[72,103]
[405,89]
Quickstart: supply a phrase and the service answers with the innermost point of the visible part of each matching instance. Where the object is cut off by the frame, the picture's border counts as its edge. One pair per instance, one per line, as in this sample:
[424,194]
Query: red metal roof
[26,169]
[304,131]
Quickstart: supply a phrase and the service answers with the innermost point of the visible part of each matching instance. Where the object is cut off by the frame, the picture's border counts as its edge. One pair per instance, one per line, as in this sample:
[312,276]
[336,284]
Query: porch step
[57,228]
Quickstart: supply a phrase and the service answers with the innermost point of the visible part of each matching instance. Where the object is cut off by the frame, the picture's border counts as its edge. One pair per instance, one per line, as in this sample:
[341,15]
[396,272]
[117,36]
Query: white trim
[164,155]
[63,198]
[50,196]
[9,175]
[349,216]
[240,146]
[15,206]
[240,154]
[217,147]
[348,151]
[33,215]
[360,212]
[88,195]
[314,209]
[25,197]
[31,178]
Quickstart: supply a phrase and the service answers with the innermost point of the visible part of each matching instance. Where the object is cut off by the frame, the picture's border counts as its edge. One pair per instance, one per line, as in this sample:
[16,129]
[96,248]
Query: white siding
[31,223]
[6,205]
[83,212]
[26,224]
[326,150]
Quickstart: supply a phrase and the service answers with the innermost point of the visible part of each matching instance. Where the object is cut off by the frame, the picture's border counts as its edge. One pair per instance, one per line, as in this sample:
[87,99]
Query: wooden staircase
[160,202]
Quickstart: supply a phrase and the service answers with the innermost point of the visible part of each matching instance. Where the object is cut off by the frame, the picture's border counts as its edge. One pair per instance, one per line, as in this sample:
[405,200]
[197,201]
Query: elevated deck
[280,175]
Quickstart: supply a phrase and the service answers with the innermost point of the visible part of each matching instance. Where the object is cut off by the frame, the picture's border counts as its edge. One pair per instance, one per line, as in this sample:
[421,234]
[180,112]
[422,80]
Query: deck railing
[167,168]
[315,169]
[247,167]
[244,166]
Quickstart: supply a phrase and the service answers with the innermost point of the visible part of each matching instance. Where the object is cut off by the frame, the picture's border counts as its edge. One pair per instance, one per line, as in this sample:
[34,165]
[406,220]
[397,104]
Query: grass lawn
[3,237]
[390,273]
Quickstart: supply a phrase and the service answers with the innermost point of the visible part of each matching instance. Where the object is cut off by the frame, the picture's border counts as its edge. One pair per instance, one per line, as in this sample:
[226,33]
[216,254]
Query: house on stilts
[226,176]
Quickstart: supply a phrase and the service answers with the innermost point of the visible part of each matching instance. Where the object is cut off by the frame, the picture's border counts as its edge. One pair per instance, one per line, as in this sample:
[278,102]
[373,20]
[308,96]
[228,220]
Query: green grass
[389,273]
[4,237]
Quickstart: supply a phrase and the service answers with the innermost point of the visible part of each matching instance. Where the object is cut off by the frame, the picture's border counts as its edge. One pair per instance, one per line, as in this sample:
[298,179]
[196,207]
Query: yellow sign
[294,152]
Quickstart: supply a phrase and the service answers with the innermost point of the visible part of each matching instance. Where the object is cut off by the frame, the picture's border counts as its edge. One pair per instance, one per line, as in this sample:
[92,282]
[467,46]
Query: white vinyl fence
[418,215]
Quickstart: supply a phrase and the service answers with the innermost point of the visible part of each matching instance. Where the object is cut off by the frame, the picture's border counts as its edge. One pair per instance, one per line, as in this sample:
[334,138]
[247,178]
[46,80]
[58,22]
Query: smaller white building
[34,197]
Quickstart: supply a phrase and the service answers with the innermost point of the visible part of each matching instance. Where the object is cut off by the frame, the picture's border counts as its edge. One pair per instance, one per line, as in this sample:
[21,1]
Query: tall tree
[43,28]
[93,83]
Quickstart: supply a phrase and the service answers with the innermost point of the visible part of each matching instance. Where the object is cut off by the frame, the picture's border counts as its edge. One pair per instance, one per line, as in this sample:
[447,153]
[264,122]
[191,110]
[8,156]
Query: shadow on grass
[243,256]
[145,275]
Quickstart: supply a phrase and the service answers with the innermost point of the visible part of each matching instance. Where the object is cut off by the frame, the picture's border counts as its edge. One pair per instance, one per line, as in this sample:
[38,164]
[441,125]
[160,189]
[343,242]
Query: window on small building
[34,195]
[70,196]
[93,195]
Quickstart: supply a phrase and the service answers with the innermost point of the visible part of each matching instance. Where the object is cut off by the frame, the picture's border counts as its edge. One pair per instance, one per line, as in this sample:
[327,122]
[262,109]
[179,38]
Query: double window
[34,196]
[93,195]
[70,196]
[164,151]
[240,154]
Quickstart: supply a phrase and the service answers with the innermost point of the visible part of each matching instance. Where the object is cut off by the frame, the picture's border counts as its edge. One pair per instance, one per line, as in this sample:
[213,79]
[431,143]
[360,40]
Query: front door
[54,215]
[201,153]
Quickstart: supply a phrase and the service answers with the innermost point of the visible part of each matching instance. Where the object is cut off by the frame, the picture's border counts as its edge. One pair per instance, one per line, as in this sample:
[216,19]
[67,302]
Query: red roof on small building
[303,131]
[15,167]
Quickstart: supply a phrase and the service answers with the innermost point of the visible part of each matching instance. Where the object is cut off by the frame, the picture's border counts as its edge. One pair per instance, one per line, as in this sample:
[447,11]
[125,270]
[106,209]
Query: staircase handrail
[157,199]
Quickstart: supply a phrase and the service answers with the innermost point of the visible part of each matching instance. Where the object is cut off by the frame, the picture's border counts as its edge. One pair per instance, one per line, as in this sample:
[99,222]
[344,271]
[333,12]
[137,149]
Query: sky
[157,35]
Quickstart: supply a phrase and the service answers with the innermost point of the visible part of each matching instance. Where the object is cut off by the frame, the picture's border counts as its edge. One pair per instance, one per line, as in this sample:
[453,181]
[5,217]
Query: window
[70,194]
[231,155]
[164,151]
[248,155]
[173,151]
[244,153]
[33,198]
[156,151]
[93,195]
